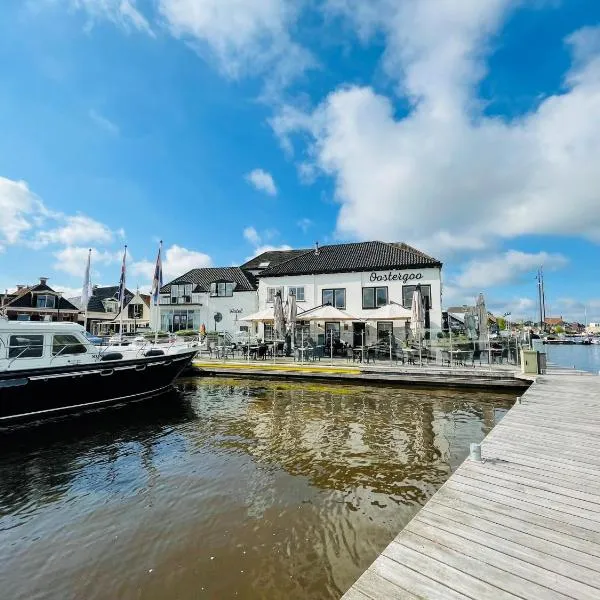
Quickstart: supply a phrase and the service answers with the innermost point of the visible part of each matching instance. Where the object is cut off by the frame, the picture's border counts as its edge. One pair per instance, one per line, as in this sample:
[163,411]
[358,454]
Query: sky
[225,127]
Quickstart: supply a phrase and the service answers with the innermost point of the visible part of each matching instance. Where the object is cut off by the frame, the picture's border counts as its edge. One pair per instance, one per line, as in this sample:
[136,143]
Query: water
[582,357]
[227,489]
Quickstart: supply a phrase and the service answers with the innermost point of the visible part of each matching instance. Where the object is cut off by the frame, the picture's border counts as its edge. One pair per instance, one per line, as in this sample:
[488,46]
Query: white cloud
[176,261]
[123,13]
[445,175]
[104,123]
[262,181]
[251,235]
[78,229]
[73,259]
[244,37]
[20,211]
[506,268]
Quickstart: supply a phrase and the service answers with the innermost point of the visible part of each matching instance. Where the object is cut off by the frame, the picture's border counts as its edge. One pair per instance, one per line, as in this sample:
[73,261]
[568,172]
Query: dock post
[475,452]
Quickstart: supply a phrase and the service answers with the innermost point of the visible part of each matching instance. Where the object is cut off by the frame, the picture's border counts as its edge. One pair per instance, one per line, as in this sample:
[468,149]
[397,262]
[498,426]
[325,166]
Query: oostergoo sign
[395,276]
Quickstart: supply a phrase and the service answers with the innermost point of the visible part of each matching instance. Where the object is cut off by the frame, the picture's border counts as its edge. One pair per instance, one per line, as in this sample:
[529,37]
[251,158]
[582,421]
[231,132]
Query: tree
[501,321]
[559,329]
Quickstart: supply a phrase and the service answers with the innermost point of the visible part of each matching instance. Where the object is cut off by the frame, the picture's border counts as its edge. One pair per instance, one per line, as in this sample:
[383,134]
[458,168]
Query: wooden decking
[524,523]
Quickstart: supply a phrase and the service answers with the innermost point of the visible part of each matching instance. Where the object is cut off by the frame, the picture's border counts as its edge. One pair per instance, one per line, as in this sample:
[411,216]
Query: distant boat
[48,369]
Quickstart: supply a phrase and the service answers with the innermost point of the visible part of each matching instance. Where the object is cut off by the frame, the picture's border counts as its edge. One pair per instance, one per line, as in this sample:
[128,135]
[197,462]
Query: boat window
[26,346]
[66,344]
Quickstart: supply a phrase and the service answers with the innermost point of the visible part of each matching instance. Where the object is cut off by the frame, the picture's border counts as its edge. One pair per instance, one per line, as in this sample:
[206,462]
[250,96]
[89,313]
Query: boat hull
[46,392]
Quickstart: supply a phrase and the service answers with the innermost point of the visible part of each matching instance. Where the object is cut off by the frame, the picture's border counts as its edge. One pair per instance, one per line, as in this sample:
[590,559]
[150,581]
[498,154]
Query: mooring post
[519,399]
[475,452]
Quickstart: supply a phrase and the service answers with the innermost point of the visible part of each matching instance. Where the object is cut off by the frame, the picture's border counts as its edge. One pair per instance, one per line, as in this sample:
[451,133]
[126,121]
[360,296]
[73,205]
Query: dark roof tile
[202,278]
[272,257]
[360,256]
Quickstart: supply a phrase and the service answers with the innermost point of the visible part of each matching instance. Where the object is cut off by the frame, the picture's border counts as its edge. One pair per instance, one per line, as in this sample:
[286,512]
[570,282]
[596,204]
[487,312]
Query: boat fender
[154,353]
[112,356]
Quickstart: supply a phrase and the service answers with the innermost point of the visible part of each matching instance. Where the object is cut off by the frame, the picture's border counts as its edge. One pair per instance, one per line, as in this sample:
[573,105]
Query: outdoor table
[410,354]
[458,356]
[306,353]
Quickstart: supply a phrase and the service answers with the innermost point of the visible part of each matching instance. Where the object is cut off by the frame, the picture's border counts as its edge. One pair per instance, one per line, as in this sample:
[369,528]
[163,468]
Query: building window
[26,346]
[409,290]
[374,297]
[335,297]
[45,302]
[66,344]
[135,311]
[269,334]
[111,305]
[221,289]
[272,291]
[181,293]
[298,292]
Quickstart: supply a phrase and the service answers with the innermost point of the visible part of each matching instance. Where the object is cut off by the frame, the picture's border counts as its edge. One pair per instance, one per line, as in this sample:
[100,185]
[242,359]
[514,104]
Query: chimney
[20,287]
[43,280]
[317,251]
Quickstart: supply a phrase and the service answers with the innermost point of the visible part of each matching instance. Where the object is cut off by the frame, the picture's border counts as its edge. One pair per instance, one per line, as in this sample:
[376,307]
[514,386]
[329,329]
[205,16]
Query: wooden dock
[499,377]
[523,523]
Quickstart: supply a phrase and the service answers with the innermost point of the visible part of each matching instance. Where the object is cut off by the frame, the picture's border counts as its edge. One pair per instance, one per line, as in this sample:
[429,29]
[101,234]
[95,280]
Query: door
[358,331]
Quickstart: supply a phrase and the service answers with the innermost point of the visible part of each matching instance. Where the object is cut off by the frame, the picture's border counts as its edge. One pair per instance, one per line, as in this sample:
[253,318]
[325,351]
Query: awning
[389,312]
[326,313]
[261,316]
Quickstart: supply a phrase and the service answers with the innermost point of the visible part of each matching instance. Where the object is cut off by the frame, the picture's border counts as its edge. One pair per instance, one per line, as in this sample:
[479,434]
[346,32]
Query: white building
[357,278]
[214,297]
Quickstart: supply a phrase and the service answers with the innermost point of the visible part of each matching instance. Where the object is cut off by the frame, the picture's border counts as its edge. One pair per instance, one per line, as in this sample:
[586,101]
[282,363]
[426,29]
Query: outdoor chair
[208,349]
[476,357]
[262,352]
[349,354]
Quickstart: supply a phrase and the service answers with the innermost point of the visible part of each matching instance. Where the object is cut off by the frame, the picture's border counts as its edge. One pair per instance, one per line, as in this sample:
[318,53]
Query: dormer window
[264,265]
[110,305]
[45,301]
[221,289]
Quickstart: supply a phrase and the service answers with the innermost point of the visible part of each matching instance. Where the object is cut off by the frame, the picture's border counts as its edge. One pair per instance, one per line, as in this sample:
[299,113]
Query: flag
[122,281]
[86,291]
[157,281]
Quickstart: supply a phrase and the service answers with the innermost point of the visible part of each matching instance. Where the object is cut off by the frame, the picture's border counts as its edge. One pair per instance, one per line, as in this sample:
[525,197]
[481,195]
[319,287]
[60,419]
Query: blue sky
[225,126]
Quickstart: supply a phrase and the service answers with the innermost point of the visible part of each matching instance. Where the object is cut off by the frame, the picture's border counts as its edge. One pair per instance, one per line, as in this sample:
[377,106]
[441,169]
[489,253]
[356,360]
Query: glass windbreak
[26,346]
[66,344]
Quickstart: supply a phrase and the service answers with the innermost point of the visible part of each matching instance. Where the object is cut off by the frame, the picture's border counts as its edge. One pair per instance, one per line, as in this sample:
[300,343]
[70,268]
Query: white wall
[353,284]
[232,308]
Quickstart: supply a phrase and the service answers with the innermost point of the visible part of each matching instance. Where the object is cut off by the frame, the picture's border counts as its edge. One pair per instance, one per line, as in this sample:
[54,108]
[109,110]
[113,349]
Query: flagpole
[156,285]
[87,286]
[122,294]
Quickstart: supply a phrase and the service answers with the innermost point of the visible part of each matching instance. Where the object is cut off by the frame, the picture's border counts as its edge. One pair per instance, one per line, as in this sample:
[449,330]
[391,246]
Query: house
[136,315]
[215,297]
[357,278]
[102,308]
[38,302]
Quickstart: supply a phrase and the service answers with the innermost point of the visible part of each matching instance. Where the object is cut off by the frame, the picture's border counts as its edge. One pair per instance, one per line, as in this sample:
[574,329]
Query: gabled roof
[95,303]
[361,256]
[202,278]
[272,257]
[24,297]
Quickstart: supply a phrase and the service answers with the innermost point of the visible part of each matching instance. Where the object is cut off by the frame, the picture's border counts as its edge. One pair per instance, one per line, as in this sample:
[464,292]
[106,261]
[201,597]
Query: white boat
[52,368]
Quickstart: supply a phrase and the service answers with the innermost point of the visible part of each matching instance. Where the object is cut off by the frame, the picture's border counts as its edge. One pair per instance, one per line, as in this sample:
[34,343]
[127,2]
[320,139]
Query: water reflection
[231,488]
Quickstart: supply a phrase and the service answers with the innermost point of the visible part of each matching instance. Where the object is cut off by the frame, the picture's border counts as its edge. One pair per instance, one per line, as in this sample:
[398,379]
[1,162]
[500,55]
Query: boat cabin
[30,345]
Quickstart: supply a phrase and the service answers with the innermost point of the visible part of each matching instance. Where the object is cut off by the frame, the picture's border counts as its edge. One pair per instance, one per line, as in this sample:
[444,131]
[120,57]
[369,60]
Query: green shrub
[185,332]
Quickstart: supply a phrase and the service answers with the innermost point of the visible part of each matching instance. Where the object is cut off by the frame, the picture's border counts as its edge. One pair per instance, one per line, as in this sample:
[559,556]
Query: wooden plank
[453,579]
[457,499]
[558,498]
[540,561]
[373,586]
[453,553]
[525,533]
[525,505]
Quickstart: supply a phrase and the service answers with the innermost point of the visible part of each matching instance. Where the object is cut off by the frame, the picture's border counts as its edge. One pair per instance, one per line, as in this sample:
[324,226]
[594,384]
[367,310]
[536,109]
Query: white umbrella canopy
[417,319]
[482,318]
[327,313]
[291,313]
[261,316]
[279,326]
[389,312]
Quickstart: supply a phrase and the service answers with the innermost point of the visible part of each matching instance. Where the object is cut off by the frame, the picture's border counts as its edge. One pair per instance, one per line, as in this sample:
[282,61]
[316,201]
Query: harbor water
[583,357]
[227,488]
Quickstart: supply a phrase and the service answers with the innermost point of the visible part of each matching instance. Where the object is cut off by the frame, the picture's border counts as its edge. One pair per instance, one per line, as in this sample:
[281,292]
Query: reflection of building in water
[395,441]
